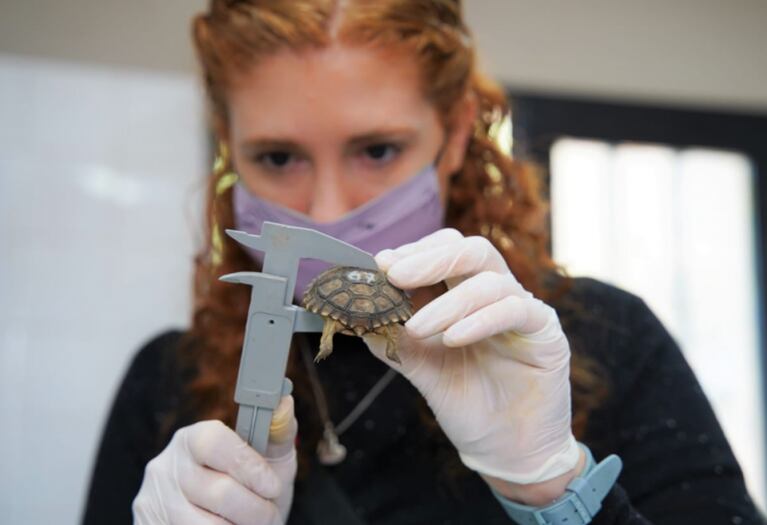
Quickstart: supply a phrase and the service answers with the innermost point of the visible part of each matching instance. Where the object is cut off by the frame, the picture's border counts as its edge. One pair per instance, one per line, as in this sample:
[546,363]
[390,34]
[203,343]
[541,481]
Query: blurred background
[651,119]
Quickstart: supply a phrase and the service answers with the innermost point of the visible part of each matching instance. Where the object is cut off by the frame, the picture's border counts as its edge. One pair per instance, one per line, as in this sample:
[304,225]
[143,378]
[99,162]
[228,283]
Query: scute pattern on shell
[360,299]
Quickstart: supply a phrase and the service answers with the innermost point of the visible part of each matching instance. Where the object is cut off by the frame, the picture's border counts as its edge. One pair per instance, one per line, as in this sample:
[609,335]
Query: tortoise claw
[323,353]
[391,346]
[392,355]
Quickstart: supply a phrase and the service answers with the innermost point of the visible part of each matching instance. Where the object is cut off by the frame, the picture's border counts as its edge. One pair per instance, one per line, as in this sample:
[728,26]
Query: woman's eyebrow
[272,143]
[266,144]
[383,135]
[368,137]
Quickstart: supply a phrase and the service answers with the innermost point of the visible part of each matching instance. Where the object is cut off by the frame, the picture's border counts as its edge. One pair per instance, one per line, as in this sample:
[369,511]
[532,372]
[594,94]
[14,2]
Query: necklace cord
[319,393]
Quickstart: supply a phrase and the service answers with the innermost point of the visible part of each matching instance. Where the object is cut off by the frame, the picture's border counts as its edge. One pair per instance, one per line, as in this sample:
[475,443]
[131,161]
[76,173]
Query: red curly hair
[492,195]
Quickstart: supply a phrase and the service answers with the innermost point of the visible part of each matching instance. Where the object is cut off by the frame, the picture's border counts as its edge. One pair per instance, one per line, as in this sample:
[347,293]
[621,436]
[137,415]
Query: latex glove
[208,475]
[490,359]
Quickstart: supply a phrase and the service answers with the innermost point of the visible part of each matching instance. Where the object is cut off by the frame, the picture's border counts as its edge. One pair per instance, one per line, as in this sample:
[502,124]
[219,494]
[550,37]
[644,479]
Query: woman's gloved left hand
[490,359]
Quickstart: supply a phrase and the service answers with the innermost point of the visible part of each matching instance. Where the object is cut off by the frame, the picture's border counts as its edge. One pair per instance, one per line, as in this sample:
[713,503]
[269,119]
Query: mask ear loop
[440,152]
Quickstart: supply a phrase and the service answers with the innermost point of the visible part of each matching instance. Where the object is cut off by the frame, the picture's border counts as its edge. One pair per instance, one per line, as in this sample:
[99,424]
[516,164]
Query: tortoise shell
[361,300]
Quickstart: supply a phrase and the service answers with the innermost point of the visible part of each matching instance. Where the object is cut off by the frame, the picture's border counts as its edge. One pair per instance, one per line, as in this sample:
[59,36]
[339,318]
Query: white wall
[700,52]
[100,171]
[140,33]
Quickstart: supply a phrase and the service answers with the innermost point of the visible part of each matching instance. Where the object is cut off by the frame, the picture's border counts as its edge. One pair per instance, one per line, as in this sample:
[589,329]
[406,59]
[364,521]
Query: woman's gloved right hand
[208,475]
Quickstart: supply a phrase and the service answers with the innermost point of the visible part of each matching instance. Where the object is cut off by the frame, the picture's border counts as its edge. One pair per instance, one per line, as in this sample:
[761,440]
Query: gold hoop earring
[501,133]
[224,178]
[222,169]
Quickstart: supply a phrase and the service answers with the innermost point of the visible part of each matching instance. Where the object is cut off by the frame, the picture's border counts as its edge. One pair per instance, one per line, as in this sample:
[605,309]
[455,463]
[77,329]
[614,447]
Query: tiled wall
[101,176]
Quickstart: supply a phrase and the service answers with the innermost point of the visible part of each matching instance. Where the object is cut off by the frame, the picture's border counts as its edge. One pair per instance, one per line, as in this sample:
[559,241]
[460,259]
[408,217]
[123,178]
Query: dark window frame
[539,120]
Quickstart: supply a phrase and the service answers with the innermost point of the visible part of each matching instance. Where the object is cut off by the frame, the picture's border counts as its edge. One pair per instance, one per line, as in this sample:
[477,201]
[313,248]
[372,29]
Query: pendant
[329,450]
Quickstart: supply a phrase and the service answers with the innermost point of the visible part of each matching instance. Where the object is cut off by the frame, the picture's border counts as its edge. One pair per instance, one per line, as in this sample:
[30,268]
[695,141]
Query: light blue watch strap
[580,502]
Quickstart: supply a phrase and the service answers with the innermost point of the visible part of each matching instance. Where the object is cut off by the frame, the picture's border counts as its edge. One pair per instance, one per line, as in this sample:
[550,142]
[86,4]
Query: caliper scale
[273,318]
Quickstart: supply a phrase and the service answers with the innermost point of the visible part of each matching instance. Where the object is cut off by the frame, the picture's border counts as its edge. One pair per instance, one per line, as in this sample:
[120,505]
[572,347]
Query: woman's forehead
[350,88]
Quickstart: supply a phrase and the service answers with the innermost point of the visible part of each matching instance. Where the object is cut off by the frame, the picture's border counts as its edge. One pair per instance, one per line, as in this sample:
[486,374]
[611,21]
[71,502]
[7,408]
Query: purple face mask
[403,214]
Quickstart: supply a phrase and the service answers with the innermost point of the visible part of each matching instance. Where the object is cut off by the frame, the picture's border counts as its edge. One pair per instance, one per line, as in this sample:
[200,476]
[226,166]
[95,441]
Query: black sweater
[678,466]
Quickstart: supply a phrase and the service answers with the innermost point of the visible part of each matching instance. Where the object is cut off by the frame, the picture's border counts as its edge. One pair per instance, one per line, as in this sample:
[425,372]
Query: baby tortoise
[356,301]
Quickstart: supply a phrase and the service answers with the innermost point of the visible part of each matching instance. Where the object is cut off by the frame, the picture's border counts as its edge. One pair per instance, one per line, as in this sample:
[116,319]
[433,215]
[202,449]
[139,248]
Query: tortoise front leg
[329,329]
[390,333]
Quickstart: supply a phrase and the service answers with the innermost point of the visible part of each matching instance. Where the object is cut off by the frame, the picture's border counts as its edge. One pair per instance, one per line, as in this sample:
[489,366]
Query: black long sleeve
[678,466]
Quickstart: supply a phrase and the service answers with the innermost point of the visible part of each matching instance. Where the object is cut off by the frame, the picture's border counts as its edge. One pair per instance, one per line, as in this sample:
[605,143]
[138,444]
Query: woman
[333,109]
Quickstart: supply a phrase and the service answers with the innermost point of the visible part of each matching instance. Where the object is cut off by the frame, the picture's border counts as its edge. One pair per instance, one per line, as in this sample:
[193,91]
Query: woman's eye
[275,159]
[381,152]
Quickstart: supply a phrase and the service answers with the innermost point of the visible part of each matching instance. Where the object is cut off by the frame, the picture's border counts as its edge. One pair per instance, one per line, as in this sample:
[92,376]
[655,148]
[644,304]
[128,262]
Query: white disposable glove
[208,475]
[490,359]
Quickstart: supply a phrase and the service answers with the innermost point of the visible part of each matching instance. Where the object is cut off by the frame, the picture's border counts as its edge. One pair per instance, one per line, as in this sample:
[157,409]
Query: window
[674,226]
[668,203]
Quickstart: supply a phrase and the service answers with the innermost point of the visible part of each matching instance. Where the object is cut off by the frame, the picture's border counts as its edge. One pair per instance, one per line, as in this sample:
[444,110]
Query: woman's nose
[330,199]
